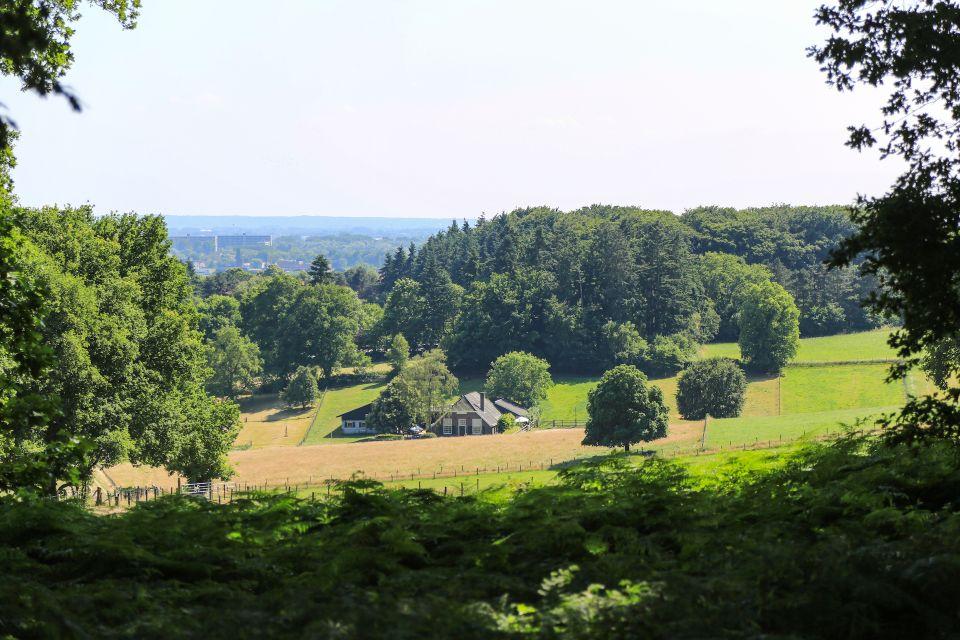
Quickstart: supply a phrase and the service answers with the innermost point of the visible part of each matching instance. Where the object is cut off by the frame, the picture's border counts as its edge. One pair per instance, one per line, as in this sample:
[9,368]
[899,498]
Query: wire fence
[465,479]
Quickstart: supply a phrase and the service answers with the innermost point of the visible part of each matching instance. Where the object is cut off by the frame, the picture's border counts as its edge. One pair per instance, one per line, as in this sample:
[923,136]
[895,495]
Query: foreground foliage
[854,540]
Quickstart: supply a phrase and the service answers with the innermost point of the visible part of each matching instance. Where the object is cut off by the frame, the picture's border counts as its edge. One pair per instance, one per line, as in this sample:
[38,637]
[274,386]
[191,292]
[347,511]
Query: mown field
[266,422]
[326,424]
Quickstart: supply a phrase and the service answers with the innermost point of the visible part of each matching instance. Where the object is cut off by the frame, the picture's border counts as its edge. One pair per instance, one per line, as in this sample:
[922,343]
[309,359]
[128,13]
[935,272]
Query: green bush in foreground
[852,540]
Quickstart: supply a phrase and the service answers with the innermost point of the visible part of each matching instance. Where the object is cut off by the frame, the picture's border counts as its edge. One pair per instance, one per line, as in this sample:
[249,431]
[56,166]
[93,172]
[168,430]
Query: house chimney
[483,398]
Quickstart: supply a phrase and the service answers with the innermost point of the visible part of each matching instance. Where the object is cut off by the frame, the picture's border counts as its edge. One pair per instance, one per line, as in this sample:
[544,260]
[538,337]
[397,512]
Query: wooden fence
[465,479]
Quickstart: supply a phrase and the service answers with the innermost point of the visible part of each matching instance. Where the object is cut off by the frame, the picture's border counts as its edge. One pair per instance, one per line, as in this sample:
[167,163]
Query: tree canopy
[769,327]
[519,377]
[131,366]
[234,361]
[713,387]
[302,390]
[36,45]
[625,410]
[907,237]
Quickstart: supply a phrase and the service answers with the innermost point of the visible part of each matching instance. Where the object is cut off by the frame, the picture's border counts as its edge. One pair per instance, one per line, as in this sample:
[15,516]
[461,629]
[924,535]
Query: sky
[444,108]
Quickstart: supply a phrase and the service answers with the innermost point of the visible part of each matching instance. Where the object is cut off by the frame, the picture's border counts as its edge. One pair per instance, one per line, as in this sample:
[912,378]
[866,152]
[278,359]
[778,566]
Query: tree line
[601,286]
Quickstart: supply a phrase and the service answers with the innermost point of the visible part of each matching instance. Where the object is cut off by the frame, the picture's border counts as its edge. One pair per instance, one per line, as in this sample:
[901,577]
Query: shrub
[618,548]
[714,387]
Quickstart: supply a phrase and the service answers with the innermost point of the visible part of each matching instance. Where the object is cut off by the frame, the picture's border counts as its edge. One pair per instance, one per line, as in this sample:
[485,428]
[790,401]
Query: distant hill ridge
[415,228]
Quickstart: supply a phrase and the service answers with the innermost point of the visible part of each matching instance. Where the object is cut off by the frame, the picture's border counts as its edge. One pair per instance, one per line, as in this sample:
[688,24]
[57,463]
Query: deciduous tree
[235,362]
[302,390]
[393,411]
[519,377]
[624,410]
[769,327]
[398,353]
[714,387]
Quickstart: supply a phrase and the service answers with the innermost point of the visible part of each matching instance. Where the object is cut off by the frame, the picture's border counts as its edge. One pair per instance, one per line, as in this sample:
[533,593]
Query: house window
[461,422]
[477,428]
[448,429]
[448,422]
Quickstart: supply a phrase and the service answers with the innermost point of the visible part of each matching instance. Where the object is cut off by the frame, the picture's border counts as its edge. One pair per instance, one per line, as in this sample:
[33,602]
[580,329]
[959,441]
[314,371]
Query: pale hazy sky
[444,108]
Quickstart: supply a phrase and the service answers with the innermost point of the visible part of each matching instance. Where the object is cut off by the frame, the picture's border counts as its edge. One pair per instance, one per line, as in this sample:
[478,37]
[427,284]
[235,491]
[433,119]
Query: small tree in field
[714,387]
[506,423]
[302,390]
[769,327]
[624,410]
[398,353]
[520,377]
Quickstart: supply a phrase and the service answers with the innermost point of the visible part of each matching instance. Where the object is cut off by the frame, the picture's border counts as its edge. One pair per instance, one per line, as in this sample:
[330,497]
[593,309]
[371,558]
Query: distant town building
[218,243]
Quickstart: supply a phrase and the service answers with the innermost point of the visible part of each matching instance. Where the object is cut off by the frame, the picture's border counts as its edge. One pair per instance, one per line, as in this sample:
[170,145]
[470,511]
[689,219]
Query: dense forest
[579,287]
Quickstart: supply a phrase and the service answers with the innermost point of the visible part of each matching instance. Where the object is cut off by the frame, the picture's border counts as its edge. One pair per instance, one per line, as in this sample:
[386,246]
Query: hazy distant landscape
[313,225]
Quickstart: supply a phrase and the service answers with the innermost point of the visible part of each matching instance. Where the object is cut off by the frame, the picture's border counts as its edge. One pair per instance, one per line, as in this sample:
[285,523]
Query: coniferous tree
[320,270]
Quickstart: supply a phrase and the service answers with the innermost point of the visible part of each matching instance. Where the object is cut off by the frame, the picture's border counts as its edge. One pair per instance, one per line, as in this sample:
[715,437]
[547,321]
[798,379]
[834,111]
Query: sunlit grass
[866,345]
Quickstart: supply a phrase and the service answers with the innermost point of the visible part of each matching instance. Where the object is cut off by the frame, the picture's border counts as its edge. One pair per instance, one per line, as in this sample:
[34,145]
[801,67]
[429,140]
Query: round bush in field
[714,387]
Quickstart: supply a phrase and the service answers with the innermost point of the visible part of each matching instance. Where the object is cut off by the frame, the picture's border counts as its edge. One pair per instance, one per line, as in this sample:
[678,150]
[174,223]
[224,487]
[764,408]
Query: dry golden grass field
[275,465]
[265,422]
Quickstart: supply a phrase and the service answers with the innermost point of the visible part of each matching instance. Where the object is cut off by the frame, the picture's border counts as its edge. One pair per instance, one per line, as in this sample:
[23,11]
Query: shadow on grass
[761,377]
[288,414]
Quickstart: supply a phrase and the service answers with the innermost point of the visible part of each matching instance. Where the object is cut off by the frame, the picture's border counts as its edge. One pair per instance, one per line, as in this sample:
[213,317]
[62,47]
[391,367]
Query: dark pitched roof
[470,403]
[490,413]
[506,406]
[360,413]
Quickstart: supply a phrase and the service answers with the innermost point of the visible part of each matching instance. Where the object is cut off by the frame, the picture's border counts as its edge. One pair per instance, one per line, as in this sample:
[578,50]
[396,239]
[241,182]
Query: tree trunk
[626,447]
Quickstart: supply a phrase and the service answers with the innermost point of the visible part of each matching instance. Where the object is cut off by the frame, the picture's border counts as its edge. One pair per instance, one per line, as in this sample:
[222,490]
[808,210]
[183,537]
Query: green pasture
[732,432]
[866,345]
[829,388]
[337,401]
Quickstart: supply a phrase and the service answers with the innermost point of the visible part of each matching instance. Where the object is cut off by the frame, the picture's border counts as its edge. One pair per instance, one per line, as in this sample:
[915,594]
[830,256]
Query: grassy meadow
[266,422]
[326,425]
[847,347]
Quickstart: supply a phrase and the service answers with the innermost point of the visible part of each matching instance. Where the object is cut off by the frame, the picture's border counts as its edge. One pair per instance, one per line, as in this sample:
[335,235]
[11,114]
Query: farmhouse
[354,422]
[474,414]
